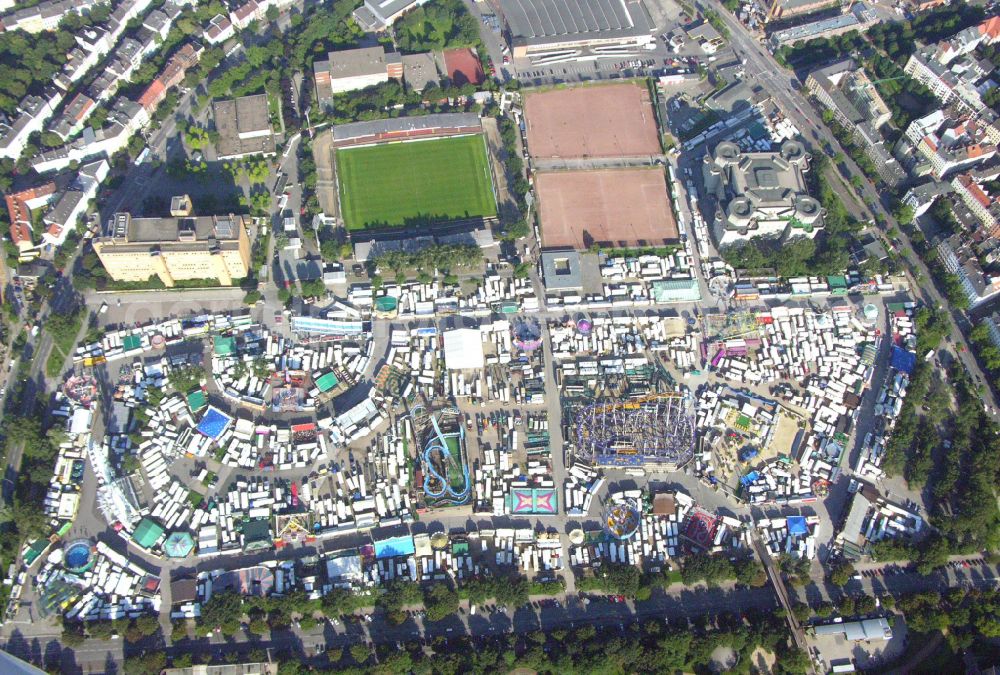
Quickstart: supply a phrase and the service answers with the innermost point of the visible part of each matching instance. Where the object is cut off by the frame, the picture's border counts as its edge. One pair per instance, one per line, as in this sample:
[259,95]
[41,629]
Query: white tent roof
[80,422]
[463,349]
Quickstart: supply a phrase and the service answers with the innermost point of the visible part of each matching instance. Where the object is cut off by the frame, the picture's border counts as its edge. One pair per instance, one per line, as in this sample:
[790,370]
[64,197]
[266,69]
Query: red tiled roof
[990,28]
[154,93]
[17,207]
[19,233]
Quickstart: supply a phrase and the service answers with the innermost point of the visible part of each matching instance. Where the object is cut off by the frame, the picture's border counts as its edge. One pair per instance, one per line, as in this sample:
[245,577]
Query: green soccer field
[414,183]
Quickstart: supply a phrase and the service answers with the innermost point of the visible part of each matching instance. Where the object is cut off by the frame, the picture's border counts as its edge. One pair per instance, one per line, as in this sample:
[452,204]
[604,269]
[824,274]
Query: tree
[223,610]
[904,214]
[933,554]
[252,297]
[361,652]
[842,573]
[440,601]
[516,230]
[272,13]
[72,634]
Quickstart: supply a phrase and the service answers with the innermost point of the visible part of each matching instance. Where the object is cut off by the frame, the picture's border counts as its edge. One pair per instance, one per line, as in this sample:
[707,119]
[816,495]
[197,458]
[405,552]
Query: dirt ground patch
[612,120]
[615,207]
[326,185]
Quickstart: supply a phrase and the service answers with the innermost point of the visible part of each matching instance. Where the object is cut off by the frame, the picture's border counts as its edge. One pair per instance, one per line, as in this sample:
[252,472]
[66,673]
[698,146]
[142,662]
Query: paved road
[690,603]
[761,67]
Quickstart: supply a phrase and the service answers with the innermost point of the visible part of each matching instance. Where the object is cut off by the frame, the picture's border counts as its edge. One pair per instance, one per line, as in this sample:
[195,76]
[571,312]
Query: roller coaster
[655,431]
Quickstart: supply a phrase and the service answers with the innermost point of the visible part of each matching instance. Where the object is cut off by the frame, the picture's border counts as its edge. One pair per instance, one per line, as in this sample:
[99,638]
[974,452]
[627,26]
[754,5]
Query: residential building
[959,259]
[992,323]
[942,142]
[983,205]
[787,9]
[73,116]
[45,16]
[72,204]
[537,28]
[951,70]
[219,29]
[760,194]
[375,16]
[175,249]
[352,69]
[922,197]
[157,23]
[845,89]
[245,14]
[860,17]
[19,212]
[244,127]
[33,112]
[124,119]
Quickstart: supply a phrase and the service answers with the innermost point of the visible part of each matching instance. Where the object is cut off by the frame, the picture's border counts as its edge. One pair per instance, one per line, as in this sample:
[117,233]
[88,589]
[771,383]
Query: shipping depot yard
[439,336]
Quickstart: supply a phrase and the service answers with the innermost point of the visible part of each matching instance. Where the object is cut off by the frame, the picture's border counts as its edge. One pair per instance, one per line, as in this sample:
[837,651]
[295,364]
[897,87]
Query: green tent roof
[224,345]
[197,400]
[326,382]
[386,303]
[131,342]
[147,533]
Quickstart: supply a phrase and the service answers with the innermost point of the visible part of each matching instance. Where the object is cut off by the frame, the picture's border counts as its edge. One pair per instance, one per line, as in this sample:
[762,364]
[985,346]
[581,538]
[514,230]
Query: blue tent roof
[214,423]
[903,360]
[396,546]
[749,478]
[797,525]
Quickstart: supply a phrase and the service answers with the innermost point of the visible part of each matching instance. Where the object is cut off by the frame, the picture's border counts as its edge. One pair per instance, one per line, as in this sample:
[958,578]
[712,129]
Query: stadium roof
[541,22]
[399,124]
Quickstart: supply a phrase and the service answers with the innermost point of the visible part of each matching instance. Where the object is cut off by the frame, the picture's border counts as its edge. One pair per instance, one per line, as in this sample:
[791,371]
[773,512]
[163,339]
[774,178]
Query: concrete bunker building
[761,194]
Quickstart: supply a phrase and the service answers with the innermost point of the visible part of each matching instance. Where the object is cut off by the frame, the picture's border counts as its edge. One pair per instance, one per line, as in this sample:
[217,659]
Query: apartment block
[175,249]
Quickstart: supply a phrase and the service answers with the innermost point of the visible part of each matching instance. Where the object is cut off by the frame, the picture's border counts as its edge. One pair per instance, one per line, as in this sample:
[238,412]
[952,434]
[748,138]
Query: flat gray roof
[561,271]
[357,62]
[545,21]
[419,70]
[244,126]
[169,230]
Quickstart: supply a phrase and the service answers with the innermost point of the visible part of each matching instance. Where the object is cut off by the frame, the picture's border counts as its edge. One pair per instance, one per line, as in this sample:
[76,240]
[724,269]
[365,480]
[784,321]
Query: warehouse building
[244,127]
[761,194]
[353,69]
[175,249]
[555,28]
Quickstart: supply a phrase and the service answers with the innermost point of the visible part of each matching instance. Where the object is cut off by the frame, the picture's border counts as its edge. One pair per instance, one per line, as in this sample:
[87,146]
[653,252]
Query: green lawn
[415,183]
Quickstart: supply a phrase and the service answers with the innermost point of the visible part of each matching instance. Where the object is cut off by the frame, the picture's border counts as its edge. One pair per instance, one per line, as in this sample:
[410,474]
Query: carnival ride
[446,480]
[621,519]
[653,431]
